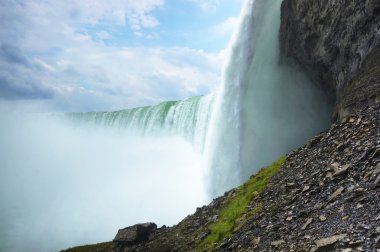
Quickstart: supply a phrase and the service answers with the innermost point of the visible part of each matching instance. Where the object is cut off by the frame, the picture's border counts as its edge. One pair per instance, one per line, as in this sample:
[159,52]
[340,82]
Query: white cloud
[82,38]
[128,77]
[137,13]
[103,35]
[206,4]
[45,65]
[93,76]
[72,13]
[212,5]
[226,27]
[54,59]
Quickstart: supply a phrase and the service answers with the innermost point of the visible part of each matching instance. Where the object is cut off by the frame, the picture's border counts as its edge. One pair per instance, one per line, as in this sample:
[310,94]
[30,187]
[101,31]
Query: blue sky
[93,55]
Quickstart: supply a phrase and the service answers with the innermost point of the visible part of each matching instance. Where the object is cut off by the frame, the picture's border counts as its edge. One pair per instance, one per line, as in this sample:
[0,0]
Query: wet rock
[339,170]
[289,218]
[341,209]
[256,241]
[277,243]
[135,234]
[346,250]
[376,171]
[204,234]
[306,188]
[328,241]
[214,218]
[358,206]
[377,182]
[336,194]
[354,244]
[308,222]
[314,141]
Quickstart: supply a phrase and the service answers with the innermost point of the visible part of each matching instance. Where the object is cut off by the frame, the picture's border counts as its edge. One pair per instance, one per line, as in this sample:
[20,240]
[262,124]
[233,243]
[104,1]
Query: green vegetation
[230,217]
[90,248]
[377,99]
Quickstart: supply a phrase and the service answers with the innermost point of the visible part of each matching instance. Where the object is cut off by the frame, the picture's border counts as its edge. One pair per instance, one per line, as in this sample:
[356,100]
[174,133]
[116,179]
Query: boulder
[135,234]
[328,241]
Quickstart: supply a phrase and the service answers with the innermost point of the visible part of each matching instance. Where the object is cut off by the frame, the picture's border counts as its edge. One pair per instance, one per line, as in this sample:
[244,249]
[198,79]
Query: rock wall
[338,42]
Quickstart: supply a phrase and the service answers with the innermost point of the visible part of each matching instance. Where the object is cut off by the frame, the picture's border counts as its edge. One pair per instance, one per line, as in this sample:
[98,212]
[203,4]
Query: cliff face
[338,41]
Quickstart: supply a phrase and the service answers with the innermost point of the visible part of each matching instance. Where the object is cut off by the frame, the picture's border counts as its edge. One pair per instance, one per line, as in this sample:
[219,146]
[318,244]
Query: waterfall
[188,118]
[264,108]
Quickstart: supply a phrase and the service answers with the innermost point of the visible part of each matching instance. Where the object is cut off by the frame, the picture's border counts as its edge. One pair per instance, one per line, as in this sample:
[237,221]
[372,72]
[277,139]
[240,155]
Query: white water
[62,186]
[264,108]
[188,118]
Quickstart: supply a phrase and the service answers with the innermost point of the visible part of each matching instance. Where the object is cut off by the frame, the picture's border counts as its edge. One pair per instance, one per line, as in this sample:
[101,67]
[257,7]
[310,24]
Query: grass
[377,99]
[90,248]
[236,207]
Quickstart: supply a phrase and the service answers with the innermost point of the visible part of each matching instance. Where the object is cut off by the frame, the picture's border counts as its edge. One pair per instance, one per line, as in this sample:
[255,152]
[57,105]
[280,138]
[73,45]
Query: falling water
[264,108]
[188,118]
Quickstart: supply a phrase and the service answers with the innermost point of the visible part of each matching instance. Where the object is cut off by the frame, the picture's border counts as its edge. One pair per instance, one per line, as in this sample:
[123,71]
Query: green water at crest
[188,118]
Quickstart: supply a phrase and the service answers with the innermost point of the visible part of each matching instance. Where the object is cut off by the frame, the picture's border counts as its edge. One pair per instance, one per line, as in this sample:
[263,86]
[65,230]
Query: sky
[97,55]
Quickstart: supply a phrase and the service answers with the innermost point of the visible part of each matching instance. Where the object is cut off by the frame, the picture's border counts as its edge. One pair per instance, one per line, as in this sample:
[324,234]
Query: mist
[62,186]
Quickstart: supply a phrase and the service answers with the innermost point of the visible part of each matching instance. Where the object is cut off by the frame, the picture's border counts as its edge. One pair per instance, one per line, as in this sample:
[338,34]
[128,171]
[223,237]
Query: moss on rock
[230,216]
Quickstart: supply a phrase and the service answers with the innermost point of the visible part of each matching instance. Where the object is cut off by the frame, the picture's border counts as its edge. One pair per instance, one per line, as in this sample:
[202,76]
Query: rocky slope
[325,197]
[339,43]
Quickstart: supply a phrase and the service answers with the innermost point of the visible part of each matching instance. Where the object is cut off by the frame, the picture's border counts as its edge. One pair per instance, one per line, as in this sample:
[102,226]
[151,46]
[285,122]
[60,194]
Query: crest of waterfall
[264,108]
[188,118]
